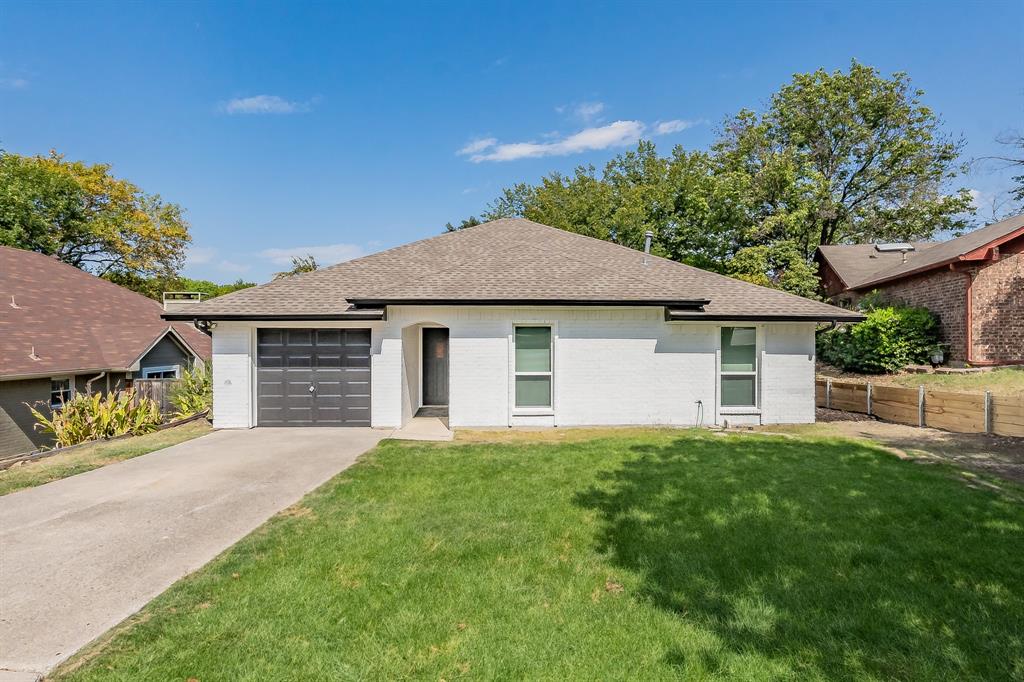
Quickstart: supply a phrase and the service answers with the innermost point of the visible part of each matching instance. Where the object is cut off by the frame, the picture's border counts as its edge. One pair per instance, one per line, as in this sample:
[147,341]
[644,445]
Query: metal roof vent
[902,247]
[896,246]
[648,236]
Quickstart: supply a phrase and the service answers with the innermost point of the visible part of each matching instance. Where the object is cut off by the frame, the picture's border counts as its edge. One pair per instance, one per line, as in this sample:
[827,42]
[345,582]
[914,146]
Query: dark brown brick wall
[998,301]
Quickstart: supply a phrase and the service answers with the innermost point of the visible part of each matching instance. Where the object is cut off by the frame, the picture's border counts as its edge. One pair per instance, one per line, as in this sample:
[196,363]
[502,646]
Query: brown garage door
[313,377]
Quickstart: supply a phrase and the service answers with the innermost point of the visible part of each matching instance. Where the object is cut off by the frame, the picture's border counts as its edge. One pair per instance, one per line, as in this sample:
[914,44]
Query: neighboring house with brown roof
[511,323]
[64,331]
[974,284]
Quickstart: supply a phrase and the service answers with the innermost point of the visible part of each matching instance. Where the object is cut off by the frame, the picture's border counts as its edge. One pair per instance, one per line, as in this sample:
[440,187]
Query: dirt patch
[822,414]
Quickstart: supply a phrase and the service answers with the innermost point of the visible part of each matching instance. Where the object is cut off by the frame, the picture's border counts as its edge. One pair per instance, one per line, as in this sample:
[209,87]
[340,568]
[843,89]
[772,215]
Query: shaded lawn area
[662,554]
[89,457]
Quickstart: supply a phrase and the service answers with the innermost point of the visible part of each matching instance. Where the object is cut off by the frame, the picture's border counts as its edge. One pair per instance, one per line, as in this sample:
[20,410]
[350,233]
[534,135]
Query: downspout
[969,323]
[88,384]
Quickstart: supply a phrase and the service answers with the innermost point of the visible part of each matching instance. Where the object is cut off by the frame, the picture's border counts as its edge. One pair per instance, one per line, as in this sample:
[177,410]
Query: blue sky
[337,130]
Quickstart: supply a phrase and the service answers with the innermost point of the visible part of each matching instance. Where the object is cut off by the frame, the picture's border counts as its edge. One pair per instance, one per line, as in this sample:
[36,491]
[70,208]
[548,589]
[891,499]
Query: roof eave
[282,317]
[571,302]
[62,372]
[688,316]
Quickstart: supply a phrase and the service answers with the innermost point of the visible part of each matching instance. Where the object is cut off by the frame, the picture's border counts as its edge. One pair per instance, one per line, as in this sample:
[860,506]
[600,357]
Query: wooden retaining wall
[952,411]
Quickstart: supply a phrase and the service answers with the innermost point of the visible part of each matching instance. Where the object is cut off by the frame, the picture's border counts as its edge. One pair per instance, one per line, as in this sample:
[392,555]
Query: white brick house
[512,323]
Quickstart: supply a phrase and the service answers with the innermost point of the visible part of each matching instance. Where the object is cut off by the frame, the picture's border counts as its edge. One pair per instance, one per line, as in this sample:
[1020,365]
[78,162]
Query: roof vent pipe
[648,236]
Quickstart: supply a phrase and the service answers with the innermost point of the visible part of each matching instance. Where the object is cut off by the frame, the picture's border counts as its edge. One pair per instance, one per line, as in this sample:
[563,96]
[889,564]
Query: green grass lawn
[999,381]
[93,456]
[1008,381]
[649,555]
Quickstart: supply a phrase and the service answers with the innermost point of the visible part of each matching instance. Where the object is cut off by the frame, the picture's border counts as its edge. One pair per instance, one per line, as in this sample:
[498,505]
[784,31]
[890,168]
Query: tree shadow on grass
[825,559]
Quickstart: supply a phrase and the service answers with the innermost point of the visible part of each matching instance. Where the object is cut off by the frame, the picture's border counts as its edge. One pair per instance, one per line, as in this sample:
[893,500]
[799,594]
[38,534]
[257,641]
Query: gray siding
[166,352]
[117,382]
[16,432]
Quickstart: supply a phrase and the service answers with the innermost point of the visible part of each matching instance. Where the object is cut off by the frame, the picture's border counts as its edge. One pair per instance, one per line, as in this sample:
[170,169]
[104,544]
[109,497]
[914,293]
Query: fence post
[869,398]
[920,405]
[988,411]
[828,394]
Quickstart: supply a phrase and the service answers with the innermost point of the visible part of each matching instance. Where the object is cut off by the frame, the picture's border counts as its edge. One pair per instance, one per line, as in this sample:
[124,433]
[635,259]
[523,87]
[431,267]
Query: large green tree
[85,216]
[843,157]
[836,157]
[678,198]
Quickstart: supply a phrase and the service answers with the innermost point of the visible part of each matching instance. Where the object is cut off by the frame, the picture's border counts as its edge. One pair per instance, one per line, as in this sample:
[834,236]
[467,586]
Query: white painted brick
[611,366]
[232,375]
[787,378]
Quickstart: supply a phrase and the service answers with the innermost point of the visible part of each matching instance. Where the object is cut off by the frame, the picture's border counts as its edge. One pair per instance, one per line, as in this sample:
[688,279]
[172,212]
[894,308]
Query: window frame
[70,390]
[755,373]
[148,372]
[550,373]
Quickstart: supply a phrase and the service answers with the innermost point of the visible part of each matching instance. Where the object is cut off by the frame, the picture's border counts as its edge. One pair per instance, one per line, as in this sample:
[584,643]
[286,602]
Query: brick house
[974,284]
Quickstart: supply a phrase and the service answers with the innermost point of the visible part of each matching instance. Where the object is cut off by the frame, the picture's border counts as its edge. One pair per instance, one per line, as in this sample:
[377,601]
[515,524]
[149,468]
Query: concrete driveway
[78,556]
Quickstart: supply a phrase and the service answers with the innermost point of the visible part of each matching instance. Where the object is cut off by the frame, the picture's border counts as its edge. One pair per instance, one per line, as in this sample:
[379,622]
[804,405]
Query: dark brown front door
[435,366]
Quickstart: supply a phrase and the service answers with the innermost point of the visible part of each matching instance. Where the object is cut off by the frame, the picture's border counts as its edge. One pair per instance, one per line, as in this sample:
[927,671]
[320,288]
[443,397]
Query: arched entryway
[425,381]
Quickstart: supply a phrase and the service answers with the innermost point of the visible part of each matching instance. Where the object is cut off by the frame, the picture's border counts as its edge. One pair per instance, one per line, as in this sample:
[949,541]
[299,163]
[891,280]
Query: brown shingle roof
[509,261]
[945,252]
[858,262]
[73,320]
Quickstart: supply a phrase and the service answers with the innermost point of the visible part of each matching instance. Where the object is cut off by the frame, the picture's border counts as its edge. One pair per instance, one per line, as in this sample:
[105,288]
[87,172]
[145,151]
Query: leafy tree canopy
[838,157]
[85,216]
[843,157]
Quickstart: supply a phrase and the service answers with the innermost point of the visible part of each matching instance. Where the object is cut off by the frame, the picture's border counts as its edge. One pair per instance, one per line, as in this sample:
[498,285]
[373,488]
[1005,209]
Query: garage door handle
[311,389]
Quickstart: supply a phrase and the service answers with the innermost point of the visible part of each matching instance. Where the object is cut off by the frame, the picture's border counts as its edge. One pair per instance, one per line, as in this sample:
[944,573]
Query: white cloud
[674,126]
[586,112]
[476,146]
[199,255]
[13,83]
[327,254]
[264,104]
[616,134]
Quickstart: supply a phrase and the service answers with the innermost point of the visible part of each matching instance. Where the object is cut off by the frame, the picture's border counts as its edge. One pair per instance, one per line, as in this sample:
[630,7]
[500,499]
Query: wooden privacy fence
[960,412]
[158,390]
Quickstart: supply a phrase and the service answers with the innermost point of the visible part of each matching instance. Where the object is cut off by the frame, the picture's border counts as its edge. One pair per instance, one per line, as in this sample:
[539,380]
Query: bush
[92,417]
[193,393]
[891,338]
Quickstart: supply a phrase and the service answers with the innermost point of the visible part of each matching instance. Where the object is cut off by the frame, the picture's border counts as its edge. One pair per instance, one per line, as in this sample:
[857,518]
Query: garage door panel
[297,338]
[335,362]
[326,338]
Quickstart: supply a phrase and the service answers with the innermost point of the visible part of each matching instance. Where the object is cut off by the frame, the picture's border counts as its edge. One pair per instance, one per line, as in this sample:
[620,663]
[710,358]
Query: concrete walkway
[80,555]
[424,428]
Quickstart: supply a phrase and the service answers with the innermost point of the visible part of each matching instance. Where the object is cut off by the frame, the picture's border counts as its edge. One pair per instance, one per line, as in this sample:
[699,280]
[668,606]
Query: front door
[435,366]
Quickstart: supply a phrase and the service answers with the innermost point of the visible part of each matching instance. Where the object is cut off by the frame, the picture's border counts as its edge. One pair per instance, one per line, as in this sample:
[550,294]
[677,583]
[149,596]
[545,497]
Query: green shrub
[92,417]
[891,338]
[193,393]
